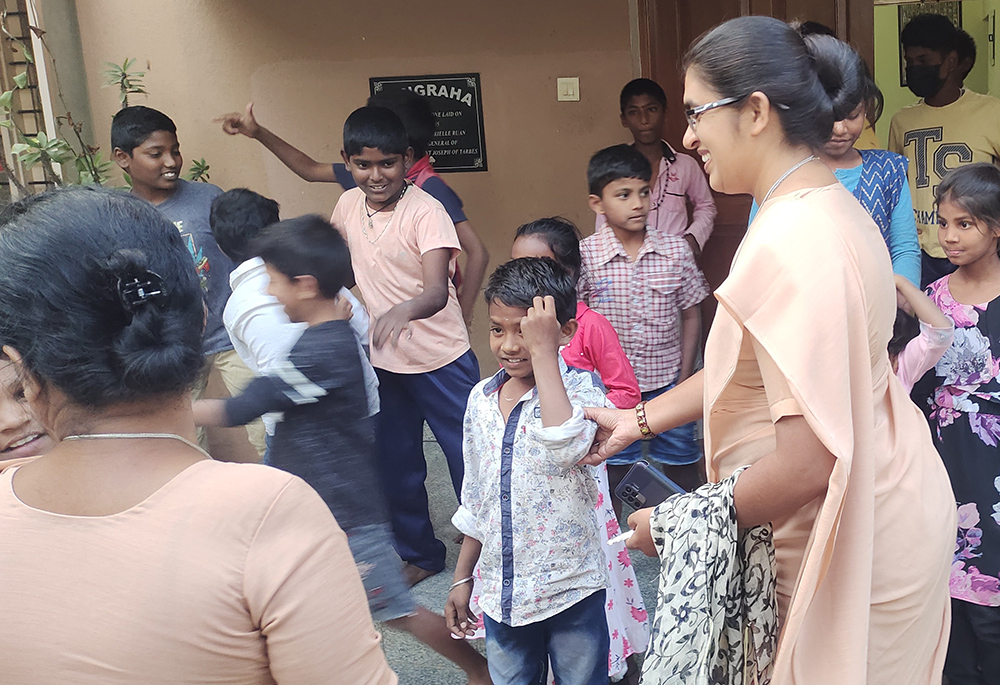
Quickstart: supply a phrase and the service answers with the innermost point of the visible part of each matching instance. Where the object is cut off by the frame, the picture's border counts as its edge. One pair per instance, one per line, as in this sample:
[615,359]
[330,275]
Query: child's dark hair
[614,163]
[375,127]
[518,282]
[414,111]
[98,294]
[237,217]
[307,246]
[965,46]
[976,189]
[641,86]
[904,329]
[133,125]
[931,31]
[810,81]
[563,238]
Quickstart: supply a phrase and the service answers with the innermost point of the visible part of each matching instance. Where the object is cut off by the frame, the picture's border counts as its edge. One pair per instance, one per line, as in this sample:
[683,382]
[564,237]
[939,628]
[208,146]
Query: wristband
[640,418]
[460,582]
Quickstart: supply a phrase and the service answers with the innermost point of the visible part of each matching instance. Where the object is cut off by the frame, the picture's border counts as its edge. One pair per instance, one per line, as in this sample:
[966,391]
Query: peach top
[388,266]
[229,573]
[805,317]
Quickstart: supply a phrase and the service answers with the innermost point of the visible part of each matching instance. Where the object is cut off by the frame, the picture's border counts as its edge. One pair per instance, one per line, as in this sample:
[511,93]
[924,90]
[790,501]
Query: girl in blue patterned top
[966,413]
[877,178]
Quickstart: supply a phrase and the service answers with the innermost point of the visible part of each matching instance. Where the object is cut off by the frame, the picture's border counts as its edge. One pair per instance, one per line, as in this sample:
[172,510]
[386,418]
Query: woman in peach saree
[797,382]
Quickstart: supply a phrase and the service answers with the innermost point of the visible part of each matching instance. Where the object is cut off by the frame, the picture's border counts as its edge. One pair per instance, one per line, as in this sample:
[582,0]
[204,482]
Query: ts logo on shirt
[920,137]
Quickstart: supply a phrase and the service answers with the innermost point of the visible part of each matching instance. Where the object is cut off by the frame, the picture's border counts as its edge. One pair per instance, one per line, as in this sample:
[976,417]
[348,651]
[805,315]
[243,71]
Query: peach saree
[805,316]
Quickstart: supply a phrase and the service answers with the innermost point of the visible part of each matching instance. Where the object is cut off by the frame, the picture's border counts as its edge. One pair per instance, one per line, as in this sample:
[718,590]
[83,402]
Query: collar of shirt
[247,269]
[608,246]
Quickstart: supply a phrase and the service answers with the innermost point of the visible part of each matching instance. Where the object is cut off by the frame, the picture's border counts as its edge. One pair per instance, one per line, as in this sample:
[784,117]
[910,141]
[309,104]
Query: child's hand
[540,328]
[234,122]
[457,614]
[642,539]
[343,310]
[390,326]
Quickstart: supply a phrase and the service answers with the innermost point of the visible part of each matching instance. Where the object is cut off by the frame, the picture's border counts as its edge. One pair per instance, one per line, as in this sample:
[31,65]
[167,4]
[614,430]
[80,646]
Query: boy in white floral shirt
[527,508]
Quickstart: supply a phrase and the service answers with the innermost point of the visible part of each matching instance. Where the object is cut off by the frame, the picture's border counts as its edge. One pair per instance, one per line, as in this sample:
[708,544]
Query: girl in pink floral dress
[966,414]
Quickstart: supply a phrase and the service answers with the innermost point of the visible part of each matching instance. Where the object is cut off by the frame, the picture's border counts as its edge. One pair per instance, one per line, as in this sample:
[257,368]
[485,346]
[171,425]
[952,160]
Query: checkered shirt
[643,299]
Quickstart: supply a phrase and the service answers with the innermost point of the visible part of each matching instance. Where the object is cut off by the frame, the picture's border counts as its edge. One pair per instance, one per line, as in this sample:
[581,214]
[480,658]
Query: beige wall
[306,66]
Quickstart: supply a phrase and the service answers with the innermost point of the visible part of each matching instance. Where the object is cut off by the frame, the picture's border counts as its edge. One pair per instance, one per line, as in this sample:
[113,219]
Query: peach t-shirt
[388,268]
[229,573]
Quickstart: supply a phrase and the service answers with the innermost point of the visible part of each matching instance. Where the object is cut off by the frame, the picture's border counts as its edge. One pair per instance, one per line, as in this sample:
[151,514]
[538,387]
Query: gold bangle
[640,418]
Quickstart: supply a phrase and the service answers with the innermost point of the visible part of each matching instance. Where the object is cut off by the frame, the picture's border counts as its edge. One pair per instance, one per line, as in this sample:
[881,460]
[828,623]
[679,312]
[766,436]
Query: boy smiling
[144,145]
[403,250]
[527,506]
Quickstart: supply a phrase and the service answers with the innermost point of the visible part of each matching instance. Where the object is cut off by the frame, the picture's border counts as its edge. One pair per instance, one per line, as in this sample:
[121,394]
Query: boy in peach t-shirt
[403,250]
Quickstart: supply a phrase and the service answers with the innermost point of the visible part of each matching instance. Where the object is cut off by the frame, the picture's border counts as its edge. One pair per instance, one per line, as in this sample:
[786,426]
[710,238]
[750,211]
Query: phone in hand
[645,486]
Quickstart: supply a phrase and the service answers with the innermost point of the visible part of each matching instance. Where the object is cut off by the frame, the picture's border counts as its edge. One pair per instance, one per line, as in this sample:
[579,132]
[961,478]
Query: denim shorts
[381,571]
[575,640]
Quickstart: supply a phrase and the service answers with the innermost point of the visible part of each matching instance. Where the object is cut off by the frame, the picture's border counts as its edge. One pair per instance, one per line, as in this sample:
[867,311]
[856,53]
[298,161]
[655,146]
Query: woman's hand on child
[390,326]
[457,614]
[616,430]
[245,123]
[540,328]
[642,539]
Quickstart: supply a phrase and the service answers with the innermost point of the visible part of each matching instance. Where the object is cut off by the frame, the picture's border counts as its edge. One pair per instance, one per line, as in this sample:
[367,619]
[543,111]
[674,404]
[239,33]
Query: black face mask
[924,80]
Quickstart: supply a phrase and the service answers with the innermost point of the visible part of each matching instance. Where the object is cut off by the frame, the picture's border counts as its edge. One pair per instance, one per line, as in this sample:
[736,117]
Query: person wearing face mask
[947,128]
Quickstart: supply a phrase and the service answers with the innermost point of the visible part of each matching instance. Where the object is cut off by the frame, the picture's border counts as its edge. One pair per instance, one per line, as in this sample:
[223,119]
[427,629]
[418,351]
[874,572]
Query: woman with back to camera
[129,555]
[797,382]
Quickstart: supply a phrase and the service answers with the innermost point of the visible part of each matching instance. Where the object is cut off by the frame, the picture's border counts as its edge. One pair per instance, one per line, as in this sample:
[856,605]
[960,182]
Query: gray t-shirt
[188,210]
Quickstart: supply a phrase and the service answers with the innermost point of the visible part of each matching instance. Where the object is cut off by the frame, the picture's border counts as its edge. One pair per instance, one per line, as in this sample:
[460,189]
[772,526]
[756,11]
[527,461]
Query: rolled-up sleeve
[567,443]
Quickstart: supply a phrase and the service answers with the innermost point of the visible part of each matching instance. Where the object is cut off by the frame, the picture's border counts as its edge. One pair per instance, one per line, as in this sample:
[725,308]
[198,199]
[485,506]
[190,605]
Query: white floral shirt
[529,502]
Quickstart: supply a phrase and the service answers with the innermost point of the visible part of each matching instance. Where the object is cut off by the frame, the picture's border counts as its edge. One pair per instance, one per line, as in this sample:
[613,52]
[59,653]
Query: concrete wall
[306,66]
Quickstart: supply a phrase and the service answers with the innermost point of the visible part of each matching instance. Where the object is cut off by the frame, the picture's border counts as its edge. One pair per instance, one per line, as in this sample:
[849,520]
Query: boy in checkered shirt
[649,287]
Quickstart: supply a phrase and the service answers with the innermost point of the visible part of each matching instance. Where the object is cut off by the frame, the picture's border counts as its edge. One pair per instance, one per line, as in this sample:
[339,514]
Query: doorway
[665,30]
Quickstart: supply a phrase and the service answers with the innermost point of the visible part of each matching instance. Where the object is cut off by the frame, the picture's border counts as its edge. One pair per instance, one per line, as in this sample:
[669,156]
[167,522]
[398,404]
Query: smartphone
[645,486]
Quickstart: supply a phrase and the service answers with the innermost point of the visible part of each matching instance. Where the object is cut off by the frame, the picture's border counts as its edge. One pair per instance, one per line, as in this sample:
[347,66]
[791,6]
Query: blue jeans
[675,447]
[575,640]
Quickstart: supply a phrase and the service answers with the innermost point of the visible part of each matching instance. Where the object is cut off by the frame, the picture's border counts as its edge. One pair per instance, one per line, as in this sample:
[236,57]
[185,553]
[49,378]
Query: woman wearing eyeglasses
[797,384]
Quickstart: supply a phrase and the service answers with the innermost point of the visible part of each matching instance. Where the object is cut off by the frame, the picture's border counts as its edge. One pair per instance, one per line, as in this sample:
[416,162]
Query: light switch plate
[568,89]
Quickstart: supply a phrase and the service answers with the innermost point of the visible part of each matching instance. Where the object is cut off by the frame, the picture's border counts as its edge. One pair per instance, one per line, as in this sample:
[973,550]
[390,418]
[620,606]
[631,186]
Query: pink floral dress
[965,410]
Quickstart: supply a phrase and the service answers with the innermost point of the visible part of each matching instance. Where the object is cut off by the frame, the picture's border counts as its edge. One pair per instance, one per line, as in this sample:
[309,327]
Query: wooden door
[666,30]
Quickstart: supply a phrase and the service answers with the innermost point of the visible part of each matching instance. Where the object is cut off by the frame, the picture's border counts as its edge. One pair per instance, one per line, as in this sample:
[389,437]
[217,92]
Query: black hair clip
[139,290]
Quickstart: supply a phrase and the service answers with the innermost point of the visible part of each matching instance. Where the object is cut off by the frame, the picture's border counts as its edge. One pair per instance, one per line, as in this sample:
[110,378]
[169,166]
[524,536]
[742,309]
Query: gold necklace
[367,218]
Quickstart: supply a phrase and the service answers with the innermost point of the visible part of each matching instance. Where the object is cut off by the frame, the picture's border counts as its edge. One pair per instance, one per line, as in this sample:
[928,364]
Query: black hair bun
[149,343]
[839,69]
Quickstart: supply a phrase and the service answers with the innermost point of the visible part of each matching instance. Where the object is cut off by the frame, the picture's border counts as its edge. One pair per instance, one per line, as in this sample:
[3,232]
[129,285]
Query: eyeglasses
[695,113]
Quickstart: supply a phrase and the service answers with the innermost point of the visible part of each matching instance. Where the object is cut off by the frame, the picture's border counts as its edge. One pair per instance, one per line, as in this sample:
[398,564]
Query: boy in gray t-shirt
[144,144]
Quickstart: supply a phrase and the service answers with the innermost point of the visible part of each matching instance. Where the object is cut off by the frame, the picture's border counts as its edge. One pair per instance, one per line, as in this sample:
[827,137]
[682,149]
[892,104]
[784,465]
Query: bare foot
[414,574]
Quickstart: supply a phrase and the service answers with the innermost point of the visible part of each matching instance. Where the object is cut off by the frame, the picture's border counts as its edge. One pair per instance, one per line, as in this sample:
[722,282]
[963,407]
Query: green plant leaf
[21,80]
[19,148]
[31,159]
[43,140]
[6,123]
[7,99]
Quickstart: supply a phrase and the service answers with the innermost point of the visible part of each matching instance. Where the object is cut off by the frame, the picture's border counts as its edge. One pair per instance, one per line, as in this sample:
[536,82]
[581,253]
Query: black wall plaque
[459,144]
